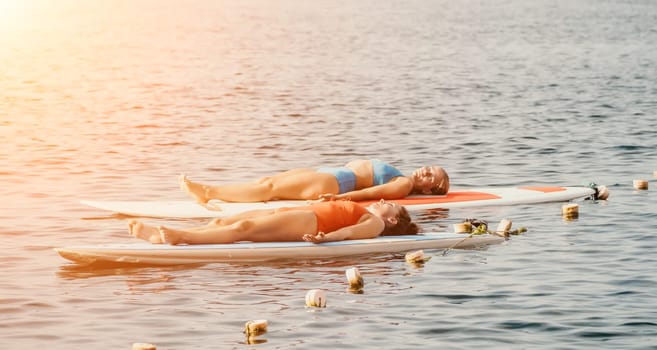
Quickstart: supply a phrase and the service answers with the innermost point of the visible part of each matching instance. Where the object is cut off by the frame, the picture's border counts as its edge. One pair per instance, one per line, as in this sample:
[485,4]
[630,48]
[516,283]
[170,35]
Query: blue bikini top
[383,172]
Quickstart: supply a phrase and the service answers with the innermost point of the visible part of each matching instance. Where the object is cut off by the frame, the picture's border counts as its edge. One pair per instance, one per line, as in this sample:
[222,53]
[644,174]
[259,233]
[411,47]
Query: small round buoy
[654,174]
[316,298]
[255,327]
[641,184]
[416,257]
[570,211]
[504,227]
[602,193]
[143,346]
[464,227]
[355,279]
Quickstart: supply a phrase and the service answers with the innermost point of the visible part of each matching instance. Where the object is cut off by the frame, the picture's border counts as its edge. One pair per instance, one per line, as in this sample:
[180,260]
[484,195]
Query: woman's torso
[334,215]
[372,172]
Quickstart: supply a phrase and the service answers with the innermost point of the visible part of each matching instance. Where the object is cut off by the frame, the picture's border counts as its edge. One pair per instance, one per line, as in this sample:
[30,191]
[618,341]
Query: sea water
[111,100]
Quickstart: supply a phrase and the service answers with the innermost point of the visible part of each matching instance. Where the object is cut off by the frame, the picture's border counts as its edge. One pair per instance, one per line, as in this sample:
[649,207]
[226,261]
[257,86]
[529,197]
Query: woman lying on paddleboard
[358,180]
[319,222]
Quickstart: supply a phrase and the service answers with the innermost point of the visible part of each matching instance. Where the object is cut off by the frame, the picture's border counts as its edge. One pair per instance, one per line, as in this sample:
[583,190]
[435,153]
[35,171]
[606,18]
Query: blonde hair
[443,186]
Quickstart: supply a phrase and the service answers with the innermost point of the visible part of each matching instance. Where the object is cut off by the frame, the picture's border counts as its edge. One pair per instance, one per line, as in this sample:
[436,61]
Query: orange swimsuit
[334,215]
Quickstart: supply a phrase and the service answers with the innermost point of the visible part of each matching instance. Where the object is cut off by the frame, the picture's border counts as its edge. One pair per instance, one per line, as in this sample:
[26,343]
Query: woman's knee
[265,186]
[244,227]
[216,222]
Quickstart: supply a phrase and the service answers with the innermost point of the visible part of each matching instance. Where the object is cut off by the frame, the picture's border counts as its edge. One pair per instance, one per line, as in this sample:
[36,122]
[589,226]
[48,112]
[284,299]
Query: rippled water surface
[112,99]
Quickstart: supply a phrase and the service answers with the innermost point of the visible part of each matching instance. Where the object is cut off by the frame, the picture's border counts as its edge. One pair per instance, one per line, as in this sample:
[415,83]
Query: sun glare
[9,6]
[13,11]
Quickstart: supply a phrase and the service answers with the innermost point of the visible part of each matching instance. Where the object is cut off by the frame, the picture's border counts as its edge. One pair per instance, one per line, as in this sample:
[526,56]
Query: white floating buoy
[641,184]
[255,327]
[654,174]
[355,279]
[504,227]
[570,211]
[464,227]
[416,257]
[316,298]
[603,192]
[143,346]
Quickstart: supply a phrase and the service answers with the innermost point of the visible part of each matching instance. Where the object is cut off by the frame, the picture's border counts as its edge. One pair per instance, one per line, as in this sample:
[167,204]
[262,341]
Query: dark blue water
[113,100]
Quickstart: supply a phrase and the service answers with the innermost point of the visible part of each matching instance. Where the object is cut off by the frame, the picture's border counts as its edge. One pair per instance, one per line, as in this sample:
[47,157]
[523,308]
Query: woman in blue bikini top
[357,180]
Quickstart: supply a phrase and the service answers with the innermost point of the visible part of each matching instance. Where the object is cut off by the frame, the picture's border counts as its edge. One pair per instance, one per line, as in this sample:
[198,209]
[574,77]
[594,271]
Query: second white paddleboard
[487,196]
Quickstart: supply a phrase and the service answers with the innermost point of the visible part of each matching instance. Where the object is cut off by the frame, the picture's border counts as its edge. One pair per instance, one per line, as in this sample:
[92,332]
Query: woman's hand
[316,238]
[326,197]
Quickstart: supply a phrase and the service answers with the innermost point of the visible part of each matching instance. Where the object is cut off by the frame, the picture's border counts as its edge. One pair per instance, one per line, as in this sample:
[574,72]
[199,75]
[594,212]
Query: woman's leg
[293,184]
[152,234]
[280,226]
[241,216]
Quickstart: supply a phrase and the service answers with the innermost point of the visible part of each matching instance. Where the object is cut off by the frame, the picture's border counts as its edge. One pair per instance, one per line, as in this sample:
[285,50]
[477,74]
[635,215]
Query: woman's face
[426,178]
[387,211]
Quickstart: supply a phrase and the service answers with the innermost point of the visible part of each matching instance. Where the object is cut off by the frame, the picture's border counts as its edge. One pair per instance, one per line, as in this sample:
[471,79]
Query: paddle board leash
[457,243]
[480,227]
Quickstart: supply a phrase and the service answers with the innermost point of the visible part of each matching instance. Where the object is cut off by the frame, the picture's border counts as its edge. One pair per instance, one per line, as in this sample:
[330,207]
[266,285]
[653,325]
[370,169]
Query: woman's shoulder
[404,181]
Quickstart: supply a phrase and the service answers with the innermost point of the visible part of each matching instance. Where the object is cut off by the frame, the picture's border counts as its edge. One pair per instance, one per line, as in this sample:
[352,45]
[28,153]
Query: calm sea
[111,100]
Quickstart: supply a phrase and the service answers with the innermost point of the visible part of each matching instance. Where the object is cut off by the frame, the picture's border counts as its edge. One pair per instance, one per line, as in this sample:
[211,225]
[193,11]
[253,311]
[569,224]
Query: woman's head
[430,180]
[396,218]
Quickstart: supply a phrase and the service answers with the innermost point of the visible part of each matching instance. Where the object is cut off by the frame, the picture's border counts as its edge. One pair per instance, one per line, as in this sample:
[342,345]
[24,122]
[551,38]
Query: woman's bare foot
[170,236]
[195,190]
[145,232]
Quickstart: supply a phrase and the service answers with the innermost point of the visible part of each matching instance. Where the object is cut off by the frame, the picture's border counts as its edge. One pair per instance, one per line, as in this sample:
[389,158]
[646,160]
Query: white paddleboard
[163,254]
[486,196]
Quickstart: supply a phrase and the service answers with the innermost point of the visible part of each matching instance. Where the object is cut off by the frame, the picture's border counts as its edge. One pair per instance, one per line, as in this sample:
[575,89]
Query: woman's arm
[396,188]
[369,226]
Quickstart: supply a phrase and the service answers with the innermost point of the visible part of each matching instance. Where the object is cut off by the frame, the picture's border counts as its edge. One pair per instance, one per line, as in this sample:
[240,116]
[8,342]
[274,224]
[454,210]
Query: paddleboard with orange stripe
[459,198]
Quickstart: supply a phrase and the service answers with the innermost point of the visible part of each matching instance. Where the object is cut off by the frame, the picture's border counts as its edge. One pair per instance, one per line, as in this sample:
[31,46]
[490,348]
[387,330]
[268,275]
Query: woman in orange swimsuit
[319,222]
[358,180]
